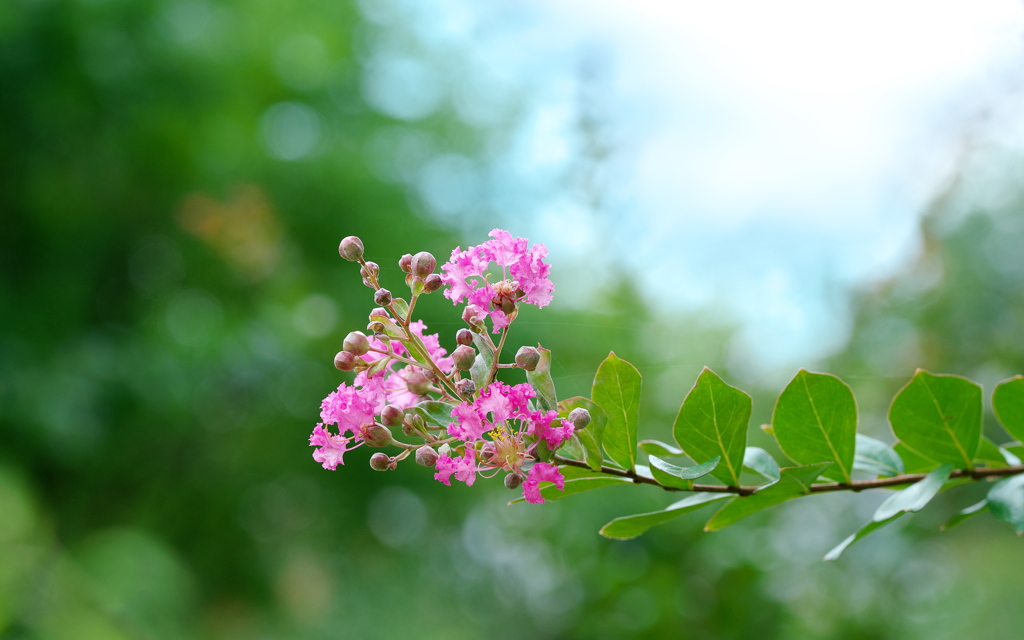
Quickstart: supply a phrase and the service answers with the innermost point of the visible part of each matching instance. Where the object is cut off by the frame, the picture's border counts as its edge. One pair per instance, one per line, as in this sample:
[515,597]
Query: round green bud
[351,248]
[464,357]
[527,358]
[345,361]
[380,461]
[423,264]
[426,456]
[579,417]
[356,343]
[392,416]
[377,436]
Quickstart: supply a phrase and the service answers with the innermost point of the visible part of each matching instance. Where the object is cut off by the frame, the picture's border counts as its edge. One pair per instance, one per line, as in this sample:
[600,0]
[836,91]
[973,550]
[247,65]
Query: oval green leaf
[577,485]
[762,463]
[1008,404]
[815,420]
[541,381]
[875,457]
[628,527]
[617,391]
[915,497]
[672,475]
[939,417]
[590,438]
[1006,502]
[794,482]
[712,421]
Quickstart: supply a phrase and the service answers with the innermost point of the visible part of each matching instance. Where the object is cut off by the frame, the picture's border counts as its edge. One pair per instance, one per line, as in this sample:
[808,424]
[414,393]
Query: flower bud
[464,336]
[380,461]
[423,264]
[406,263]
[345,361]
[513,481]
[527,358]
[444,450]
[465,388]
[382,297]
[415,284]
[464,357]
[370,269]
[432,283]
[356,343]
[417,382]
[351,248]
[375,327]
[377,436]
[579,417]
[473,315]
[379,313]
[392,416]
[426,456]
[410,430]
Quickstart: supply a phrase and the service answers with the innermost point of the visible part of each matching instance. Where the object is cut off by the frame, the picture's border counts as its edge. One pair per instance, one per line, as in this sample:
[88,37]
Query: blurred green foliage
[176,177]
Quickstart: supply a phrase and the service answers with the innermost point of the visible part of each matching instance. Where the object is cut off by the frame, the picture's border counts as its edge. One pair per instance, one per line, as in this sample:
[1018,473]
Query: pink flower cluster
[524,277]
[354,409]
[497,407]
[395,382]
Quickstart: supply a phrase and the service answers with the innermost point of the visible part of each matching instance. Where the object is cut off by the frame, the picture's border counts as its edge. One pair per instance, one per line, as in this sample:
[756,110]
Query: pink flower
[331,448]
[469,424]
[464,468]
[351,407]
[541,472]
[524,276]
[541,426]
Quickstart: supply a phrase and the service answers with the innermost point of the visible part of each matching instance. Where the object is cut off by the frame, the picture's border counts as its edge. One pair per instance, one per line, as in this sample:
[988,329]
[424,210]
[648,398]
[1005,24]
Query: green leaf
[815,420]
[401,307]
[435,414]
[762,463]
[1006,502]
[915,497]
[939,417]
[913,462]
[863,532]
[874,456]
[480,371]
[617,391]
[589,438]
[1008,404]
[578,485]
[794,481]
[671,475]
[990,455]
[1011,458]
[969,512]
[1015,449]
[540,380]
[628,527]
[658,448]
[712,421]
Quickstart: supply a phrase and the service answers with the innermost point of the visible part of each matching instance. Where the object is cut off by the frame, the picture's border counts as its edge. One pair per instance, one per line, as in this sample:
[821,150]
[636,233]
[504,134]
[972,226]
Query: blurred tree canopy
[176,179]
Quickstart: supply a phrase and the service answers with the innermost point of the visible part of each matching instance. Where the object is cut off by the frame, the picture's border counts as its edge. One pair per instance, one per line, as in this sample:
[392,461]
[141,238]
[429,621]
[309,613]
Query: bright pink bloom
[351,407]
[545,427]
[522,270]
[469,424]
[331,448]
[464,468]
[541,472]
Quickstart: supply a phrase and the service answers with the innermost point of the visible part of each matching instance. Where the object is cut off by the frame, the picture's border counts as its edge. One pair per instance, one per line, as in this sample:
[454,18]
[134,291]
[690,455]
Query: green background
[170,303]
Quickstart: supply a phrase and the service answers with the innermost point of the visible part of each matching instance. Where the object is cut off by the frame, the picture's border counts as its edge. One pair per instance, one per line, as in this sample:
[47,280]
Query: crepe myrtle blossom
[463,422]
[523,277]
